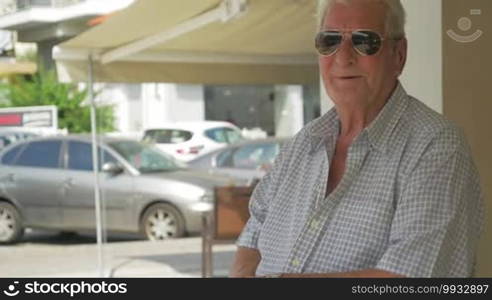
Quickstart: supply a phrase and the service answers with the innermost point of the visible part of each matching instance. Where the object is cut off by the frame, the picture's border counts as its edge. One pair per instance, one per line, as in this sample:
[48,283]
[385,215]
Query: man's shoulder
[303,141]
[426,125]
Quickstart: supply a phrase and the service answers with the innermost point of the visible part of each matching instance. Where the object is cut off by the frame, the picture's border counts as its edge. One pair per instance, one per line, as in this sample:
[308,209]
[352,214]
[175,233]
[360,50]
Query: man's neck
[354,117]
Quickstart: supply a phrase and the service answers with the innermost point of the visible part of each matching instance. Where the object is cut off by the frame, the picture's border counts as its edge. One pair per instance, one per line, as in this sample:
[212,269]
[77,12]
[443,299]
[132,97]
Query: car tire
[11,227]
[67,235]
[162,221]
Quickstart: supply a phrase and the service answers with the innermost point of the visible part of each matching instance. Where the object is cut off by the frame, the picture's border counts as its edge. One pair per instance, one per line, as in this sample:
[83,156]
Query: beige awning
[270,41]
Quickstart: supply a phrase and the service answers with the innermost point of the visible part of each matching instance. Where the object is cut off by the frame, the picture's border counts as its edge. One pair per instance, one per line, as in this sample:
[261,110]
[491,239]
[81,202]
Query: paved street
[52,255]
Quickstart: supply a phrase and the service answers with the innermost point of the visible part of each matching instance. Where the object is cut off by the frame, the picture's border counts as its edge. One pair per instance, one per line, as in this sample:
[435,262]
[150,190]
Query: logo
[11,291]
[465,24]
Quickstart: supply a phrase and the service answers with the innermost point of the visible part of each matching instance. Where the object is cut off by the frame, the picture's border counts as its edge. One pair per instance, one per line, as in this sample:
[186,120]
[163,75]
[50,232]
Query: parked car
[49,183]
[188,140]
[249,160]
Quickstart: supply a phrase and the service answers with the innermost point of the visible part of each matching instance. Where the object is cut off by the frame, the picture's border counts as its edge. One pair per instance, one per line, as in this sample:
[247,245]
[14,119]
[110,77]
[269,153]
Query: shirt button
[295,262]
[314,224]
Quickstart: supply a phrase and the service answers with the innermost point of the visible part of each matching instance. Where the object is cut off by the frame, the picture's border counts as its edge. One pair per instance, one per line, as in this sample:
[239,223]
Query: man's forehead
[356,15]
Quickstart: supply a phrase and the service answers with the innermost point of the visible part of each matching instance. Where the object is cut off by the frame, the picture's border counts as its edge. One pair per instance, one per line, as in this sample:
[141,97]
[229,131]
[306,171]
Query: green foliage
[43,88]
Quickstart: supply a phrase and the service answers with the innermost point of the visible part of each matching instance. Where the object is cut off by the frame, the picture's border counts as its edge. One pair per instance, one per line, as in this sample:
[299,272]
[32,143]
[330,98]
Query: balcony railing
[14,6]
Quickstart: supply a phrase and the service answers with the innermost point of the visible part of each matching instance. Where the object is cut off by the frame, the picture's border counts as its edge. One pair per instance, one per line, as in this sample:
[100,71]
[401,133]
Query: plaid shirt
[409,201]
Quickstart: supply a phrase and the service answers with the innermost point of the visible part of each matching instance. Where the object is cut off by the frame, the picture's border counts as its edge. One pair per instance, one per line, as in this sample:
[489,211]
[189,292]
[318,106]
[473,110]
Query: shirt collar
[378,132]
[326,126]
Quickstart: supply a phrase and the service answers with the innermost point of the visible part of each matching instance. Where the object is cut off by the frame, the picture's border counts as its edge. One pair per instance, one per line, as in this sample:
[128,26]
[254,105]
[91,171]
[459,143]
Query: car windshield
[224,135]
[146,158]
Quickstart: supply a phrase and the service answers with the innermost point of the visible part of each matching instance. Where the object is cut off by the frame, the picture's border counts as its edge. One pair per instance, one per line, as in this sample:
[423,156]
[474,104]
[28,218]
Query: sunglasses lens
[327,42]
[366,42]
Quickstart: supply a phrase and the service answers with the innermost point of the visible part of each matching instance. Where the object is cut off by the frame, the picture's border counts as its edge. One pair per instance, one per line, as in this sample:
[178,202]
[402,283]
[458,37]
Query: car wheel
[162,221]
[67,235]
[11,229]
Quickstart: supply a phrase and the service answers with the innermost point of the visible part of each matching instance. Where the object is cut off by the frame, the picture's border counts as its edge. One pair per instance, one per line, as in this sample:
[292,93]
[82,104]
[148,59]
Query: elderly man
[381,185]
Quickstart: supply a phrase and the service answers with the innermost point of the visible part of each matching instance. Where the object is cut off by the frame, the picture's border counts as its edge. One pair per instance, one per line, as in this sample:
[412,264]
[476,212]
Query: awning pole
[95,165]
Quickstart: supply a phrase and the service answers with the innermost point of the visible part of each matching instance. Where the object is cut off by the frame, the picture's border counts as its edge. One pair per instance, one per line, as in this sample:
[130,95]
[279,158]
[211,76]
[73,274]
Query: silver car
[247,161]
[49,183]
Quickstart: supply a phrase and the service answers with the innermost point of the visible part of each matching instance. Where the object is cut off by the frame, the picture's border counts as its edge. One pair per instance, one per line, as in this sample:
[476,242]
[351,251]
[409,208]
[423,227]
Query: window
[254,156]
[224,159]
[224,135]
[145,158]
[167,136]
[41,154]
[9,157]
[80,156]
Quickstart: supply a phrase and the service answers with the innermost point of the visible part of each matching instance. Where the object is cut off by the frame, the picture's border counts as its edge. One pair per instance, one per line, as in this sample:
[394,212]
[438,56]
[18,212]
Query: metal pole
[95,165]
[207,240]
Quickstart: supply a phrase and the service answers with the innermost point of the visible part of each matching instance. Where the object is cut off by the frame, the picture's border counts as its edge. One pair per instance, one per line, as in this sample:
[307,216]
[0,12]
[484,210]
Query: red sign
[10,119]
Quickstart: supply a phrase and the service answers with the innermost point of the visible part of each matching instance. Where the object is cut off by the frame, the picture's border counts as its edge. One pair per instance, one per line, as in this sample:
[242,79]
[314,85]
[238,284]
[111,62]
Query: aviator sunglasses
[365,42]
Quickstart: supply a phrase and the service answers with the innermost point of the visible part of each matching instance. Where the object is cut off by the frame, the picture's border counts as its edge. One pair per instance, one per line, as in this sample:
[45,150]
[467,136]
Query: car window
[10,156]
[41,154]
[223,135]
[80,156]
[167,136]
[145,158]
[224,159]
[254,156]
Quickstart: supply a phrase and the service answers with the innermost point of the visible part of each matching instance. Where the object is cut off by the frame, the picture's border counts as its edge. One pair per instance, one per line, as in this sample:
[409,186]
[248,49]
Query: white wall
[153,102]
[288,110]
[326,102]
[166,102]
[422,76]
[187,103]
[125,99]
[141,106]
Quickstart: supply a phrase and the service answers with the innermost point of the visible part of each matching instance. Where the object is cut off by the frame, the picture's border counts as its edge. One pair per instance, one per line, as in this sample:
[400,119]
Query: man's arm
[247,259]
[369,273]
[245,262]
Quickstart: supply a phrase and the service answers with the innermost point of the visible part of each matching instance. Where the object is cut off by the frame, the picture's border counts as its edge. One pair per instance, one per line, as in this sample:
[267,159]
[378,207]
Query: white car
[188,140]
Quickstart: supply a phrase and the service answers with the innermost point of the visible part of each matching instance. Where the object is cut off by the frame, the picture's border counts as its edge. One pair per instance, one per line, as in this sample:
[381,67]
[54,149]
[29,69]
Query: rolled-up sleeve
[258,205]
[438,218]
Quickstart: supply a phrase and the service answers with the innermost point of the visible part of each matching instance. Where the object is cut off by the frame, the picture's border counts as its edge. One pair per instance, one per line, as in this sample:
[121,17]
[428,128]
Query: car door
[224,164]
[79,201]
[35,182]
[250,161]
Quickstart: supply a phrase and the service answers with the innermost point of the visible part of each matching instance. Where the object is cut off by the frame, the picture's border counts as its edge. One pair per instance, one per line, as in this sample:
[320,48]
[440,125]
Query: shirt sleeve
[438,218]
[258,205]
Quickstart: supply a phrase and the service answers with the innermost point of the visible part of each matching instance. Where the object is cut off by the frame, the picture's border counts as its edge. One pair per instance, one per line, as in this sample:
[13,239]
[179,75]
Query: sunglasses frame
[344,34]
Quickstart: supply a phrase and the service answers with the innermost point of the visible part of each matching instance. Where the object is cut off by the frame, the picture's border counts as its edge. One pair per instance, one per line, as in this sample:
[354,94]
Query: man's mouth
[349,77]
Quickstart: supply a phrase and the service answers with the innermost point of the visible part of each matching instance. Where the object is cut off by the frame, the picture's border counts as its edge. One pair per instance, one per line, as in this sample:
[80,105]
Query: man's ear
[401,48]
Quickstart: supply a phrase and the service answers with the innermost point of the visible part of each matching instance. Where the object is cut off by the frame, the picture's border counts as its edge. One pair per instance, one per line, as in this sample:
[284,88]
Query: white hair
[395,15]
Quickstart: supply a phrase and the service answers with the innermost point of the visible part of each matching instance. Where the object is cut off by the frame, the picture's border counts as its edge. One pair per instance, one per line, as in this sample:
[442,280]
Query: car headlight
[207,197]
[206,203]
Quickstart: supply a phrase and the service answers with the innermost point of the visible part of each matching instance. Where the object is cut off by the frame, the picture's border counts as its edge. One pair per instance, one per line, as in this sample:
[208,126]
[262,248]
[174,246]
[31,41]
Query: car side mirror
[112,168]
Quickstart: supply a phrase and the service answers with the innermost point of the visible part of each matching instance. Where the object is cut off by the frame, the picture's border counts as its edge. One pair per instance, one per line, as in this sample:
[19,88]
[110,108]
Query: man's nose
[346,54]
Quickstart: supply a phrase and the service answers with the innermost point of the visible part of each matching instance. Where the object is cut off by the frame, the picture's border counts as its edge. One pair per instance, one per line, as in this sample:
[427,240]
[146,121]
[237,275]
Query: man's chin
[344,94]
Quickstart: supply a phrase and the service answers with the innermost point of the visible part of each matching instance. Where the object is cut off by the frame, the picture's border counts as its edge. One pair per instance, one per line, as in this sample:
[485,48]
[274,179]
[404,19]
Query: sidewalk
[135,258]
